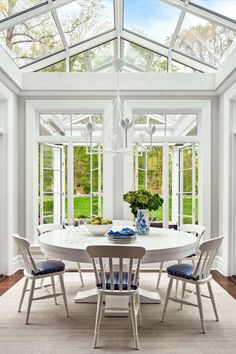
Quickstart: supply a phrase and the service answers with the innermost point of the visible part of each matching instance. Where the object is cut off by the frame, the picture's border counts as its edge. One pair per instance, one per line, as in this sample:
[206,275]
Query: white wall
[9,178]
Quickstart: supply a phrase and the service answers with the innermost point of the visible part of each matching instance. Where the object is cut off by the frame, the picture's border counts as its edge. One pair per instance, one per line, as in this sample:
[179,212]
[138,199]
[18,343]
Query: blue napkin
[123,232]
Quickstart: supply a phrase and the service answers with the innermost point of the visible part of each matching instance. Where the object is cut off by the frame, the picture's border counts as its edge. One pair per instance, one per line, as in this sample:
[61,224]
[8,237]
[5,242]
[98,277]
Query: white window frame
[33,110]
[226,260]
[203,109]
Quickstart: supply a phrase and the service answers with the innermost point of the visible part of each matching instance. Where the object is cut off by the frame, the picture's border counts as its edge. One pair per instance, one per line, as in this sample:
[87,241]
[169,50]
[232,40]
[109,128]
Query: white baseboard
[218,265]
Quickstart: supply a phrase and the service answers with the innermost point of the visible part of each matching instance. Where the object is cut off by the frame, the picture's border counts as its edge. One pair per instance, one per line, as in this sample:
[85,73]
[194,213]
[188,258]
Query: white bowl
[98,230]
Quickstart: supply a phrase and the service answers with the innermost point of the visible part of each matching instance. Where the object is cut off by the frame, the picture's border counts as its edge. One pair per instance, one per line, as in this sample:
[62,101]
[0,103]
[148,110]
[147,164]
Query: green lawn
[82,208]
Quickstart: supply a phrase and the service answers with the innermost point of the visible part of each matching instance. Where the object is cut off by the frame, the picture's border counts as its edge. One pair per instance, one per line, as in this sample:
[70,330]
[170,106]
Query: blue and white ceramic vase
[142,222]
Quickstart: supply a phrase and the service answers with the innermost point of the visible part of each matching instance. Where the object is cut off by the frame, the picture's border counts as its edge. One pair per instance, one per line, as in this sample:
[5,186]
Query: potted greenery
[140,203]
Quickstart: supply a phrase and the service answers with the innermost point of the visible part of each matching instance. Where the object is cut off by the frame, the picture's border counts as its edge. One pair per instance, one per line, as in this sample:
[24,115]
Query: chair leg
[159,274]
[183,292]
[64,293]
[213,300]
[199,300]
[98,319]
[177,282]
[167,298]
[23,293]
[80,274]
[30,300]
[139,310]
[135,327]
[54,289]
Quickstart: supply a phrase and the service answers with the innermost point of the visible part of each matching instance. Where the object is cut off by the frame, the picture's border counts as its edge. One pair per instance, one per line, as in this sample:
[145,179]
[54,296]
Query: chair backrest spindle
[24,245]
[208,251]
[120,261]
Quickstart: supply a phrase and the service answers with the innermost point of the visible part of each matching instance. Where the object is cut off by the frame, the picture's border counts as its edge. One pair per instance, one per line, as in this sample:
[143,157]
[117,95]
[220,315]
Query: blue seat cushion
[49,266]
[116,281]
[181,270]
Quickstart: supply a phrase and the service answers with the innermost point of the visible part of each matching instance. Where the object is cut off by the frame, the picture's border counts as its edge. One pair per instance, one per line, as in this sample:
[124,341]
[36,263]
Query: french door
[188,186]
[70,182]
[51,183]
[172,171]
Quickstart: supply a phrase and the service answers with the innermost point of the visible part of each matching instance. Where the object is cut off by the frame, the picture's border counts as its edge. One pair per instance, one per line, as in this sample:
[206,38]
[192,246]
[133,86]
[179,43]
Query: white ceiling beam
[29,14]
[79,48]
[157,48]
[200,12]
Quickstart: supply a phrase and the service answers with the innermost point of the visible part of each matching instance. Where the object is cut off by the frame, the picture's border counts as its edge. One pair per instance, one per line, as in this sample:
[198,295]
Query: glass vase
[142,222]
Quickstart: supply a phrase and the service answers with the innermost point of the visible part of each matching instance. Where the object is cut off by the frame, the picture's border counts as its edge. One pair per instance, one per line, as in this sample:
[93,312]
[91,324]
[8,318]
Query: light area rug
[51,332]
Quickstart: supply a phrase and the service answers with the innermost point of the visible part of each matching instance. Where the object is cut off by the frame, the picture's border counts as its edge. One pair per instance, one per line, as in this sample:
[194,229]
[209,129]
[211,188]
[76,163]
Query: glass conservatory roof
[89,35]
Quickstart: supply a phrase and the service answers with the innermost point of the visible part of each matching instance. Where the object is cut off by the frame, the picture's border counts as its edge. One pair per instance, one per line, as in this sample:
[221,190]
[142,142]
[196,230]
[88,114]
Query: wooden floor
[226,283]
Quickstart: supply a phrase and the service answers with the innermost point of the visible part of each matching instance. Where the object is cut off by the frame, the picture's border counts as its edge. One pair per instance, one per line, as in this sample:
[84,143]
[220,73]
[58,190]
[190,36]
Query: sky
[157,20]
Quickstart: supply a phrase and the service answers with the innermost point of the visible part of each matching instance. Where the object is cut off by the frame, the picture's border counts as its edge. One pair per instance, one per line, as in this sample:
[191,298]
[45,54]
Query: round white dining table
[160,244]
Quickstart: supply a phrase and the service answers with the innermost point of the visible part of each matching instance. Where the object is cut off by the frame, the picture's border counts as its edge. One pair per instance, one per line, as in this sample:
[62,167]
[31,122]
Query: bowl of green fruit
[97,226]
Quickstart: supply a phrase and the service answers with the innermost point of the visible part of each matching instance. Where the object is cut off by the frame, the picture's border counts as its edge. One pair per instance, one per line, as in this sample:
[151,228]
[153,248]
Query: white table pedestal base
[116,305]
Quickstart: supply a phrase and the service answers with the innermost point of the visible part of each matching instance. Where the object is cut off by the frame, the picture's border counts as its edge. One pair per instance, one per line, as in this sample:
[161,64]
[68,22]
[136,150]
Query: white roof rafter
[205,14]
[31,13]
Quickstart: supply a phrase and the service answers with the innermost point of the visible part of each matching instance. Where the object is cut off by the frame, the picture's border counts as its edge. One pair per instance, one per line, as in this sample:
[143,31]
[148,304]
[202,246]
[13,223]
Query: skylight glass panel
[143,59]
[57,67]
[77,63]
[32,39]
[93,59]
[101,55]
[159,63]
[153,19]
[204,40]
[81,20]
[177,67]
[223,7]
[136,55]
[9,8]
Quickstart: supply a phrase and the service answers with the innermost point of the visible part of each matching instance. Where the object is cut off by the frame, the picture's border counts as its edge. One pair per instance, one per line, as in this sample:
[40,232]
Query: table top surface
[158,240]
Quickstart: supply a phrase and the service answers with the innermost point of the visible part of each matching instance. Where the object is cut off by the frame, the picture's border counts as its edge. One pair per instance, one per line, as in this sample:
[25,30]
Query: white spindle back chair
[32,271]
[199,276]
[48,227]
[117,273]
[53,227]
[198,231]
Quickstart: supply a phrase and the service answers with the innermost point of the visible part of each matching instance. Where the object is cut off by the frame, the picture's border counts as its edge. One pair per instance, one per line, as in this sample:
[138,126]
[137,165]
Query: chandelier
[125,124]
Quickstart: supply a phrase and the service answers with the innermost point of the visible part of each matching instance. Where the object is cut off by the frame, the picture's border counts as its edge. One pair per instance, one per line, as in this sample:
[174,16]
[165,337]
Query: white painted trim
[227,220]
[218,264]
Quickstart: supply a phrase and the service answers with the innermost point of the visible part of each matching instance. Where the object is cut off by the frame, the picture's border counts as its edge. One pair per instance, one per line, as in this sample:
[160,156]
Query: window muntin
[222,7]
[152,19]
[69,124]
[166,124]
[85,19]
[204,40]
[10,8]
[32,39]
